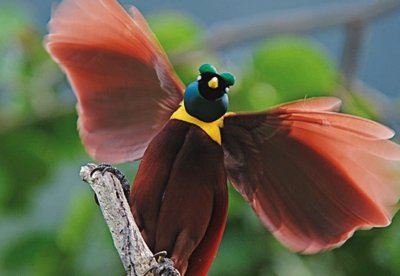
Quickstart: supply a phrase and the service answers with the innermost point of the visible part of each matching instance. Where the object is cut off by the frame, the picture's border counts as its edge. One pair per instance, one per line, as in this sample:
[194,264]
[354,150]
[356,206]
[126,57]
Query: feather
[181,205]
[125,85]
[320,104]
[313,176]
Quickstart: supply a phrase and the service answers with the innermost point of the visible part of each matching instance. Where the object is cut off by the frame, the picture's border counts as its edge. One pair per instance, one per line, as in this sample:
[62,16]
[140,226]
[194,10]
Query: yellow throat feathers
[212,129]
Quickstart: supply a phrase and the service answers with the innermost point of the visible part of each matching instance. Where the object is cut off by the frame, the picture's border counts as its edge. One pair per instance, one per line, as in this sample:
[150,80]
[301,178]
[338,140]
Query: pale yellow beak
[213,83]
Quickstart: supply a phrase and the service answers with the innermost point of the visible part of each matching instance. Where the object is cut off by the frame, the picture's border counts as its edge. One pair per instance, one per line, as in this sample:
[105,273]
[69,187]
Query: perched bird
[312,175]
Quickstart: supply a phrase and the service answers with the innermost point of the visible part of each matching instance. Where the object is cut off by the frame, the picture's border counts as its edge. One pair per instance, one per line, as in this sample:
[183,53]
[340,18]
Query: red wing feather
[125,85]
[313,177]
[319,104]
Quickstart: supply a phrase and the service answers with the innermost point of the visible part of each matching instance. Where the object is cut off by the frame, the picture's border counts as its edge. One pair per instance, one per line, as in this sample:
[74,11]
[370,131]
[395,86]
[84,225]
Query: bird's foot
[165,266]
[103,168]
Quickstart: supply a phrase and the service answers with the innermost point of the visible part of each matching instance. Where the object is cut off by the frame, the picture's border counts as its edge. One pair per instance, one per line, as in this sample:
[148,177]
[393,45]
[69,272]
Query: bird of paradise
[312,175]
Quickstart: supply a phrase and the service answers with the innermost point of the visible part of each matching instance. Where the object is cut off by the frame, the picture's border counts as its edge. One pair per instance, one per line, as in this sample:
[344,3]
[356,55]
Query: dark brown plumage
[179,197]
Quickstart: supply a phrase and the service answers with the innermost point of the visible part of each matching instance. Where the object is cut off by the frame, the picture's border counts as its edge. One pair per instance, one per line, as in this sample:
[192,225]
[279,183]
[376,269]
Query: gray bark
[136,257]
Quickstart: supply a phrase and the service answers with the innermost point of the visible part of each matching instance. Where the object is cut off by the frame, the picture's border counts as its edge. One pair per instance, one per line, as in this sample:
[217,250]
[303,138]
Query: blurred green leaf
[30,153]
[177,32]
[174,30]
[12,22]
[74,228]
[296,68]
[34,254]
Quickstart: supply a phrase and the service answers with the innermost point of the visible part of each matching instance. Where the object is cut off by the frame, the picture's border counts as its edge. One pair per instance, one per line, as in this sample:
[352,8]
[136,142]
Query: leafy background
[49,223]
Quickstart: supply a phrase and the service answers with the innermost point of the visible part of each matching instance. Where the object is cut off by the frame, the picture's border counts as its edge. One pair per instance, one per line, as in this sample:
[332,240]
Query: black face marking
[209,93]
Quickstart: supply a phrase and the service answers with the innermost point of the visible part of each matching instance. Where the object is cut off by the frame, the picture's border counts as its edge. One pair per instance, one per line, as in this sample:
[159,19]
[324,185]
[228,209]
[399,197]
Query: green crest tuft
[229,78]
[207,68]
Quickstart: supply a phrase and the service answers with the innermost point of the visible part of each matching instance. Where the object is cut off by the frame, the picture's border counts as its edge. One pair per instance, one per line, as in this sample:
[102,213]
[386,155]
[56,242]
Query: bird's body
[179,196]
[312,175]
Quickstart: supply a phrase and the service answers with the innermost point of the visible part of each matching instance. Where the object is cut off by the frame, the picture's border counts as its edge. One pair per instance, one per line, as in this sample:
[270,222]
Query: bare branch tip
[134,253]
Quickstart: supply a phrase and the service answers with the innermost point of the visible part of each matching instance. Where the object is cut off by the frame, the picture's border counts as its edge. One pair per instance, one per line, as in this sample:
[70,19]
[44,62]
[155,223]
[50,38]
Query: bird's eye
[226,89]
[199,77]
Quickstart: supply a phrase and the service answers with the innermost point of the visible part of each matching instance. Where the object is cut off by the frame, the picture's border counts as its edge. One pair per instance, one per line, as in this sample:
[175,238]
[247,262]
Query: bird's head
[207,98]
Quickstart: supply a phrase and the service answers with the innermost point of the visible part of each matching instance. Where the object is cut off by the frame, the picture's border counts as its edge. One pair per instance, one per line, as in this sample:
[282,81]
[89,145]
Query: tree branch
[351,52]
[231,33]
[136,257]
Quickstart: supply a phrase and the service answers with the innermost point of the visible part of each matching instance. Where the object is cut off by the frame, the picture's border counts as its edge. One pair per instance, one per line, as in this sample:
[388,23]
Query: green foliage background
[49,223]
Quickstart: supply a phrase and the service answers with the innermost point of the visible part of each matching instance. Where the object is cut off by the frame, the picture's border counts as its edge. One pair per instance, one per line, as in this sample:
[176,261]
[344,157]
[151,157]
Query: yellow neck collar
[212,129]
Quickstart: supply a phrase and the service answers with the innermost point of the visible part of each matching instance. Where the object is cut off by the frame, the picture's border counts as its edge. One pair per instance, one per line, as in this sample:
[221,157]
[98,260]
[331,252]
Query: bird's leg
[102,168]
[165,266]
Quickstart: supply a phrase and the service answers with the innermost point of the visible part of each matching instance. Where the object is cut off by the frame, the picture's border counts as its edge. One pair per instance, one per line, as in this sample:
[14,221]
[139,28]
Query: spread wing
[313,176]
[125,85]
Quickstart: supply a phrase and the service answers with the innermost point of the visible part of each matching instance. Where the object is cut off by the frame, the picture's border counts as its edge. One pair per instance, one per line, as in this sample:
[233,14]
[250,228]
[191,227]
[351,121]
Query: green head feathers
[207,98]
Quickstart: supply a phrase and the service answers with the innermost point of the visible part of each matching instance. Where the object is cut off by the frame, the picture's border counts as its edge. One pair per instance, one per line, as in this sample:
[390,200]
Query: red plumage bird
[312,175]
